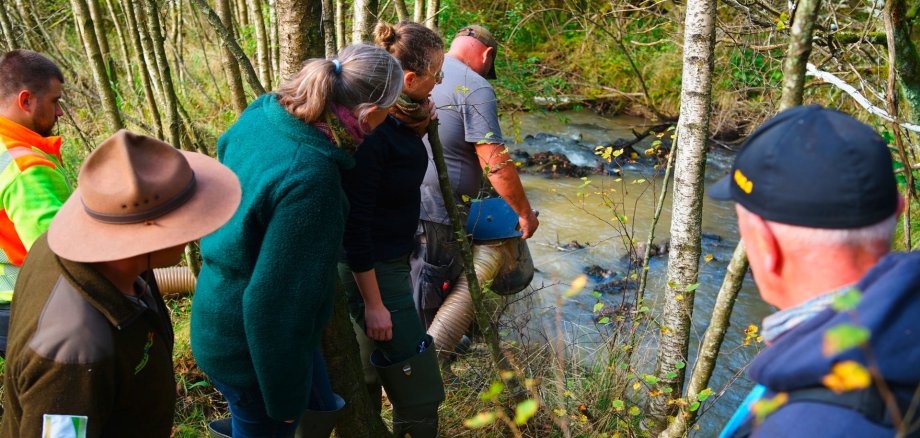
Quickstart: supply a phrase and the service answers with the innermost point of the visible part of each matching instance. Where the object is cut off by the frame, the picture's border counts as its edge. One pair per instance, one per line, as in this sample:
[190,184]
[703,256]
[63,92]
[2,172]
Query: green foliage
[843,337]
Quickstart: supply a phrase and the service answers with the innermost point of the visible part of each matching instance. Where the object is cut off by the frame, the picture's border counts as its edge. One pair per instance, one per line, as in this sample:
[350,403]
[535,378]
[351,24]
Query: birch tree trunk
[797,54]
[263,51]
[273,37]
[365,17]
[229,42]
[136,31]
[9,38]
[402,12]
[122,40]
[418,11]
[339,25]
[231,67]
[83,21]
[431,18]
[31,26]
[329,28]
[99,25]
[299,33]
[687,205]
[149,61]
[173,123]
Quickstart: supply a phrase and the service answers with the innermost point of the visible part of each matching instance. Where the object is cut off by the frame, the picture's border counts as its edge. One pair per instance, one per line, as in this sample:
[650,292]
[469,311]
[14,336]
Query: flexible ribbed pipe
[177,280]
[456,313]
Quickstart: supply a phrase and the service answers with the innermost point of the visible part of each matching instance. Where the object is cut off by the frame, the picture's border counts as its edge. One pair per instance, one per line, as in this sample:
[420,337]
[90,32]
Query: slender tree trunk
[339,24]
[9,36]
[892,15]
[340,349]
[275,43]
[244,14]
[173,127]
[149,61]
[797,54]
[123,42]
[135,30]
[231,67]
[907,61]
[299,33]
[431,18]
[418,11]
[263,52]
[329,28]
[99,25]
[83,21]
[231,44]
[687,205]
[402,12]
[31,26]
[365,17]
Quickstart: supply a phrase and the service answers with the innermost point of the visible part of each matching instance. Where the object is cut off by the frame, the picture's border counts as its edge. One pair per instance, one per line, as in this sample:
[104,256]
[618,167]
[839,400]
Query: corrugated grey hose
[456,313]
[177,280]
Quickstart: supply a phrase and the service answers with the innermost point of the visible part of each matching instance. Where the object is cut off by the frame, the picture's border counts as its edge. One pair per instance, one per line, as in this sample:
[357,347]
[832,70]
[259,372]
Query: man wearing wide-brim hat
[90,338]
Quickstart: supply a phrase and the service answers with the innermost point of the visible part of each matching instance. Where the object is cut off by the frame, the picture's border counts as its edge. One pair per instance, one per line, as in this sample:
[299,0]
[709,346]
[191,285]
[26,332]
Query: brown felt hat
[485,37]
[138,195]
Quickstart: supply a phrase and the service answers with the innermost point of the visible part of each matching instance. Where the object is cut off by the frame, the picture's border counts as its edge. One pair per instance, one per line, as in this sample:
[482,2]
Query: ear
[486,54]
[409,79]
[765,242]
[24,101]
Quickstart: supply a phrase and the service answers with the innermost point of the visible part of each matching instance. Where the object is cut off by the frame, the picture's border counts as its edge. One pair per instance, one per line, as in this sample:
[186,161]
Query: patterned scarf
[415,115]
[341,127]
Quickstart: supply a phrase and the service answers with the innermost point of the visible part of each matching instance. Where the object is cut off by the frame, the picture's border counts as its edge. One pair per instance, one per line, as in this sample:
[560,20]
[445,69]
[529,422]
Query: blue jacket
[890,309]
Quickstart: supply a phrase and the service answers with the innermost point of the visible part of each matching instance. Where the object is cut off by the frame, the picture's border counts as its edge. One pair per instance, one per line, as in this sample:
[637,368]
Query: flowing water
[566,216]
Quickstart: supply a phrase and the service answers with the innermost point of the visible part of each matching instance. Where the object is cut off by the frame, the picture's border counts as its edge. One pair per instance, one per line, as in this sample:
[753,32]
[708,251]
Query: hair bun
[385,35]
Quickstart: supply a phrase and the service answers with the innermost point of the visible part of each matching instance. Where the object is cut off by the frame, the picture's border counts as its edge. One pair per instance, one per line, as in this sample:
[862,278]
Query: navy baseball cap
[813,167]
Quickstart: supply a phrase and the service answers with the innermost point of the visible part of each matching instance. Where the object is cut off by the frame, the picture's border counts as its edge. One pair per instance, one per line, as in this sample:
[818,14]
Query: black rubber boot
[319,424]
[375,392]
[415,390]
[220,428]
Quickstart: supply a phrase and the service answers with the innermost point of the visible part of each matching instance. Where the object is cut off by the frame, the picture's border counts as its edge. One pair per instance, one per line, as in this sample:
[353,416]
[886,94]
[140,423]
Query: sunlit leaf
[604,320]
[618,405]
[847,376]
[597,306]
[693,287]
[524,411]
[495,389]
[650,379]
[680,365]
[847,301]
[843,337]
[704,394]
[577,285]
[708,258]
[694,406]
[636,386]
[766,406]
[481,419]
[634,411]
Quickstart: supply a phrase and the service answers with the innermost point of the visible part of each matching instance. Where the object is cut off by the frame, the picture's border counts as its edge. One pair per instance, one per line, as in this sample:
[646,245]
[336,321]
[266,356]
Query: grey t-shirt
[468,114]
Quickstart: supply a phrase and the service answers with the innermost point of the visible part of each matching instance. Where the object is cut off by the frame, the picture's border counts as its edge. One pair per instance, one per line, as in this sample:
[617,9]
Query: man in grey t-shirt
[472,139]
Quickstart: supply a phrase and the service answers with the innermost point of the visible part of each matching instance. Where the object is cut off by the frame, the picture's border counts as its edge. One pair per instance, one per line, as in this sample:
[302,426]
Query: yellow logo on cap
[743,182]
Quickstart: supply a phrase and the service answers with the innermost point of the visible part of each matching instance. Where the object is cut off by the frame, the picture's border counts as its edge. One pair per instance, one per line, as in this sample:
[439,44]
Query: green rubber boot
[220,428]
[415,390]
[319,424]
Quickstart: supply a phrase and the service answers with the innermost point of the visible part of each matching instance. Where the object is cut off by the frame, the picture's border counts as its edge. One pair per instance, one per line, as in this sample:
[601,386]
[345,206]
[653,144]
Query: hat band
[153,213]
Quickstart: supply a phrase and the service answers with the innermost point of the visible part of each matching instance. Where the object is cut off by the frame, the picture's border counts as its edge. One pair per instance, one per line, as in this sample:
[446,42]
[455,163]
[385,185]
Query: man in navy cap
[817,205]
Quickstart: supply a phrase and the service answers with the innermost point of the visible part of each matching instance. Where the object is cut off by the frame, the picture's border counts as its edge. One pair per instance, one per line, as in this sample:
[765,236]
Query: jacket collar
[100,293]
[49,145]
[306,135]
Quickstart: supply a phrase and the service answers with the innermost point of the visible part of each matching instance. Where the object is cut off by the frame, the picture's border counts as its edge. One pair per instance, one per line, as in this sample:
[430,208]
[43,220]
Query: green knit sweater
[266,288]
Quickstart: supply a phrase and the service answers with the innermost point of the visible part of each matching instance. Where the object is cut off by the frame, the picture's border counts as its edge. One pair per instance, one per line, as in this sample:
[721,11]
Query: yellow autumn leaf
[636,386]
[577,285]
[708,258]
[847,376]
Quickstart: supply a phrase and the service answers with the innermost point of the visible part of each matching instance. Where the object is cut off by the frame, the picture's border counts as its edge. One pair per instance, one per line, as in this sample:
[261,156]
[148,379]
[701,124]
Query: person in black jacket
[383,190]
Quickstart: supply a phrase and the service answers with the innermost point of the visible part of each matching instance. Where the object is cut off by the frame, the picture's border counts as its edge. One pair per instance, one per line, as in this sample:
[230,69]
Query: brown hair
[360,77]
[411,43]
[23,69]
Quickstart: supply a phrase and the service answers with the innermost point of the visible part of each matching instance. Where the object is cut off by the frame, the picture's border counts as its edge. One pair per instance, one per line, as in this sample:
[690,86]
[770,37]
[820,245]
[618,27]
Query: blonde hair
[365,76]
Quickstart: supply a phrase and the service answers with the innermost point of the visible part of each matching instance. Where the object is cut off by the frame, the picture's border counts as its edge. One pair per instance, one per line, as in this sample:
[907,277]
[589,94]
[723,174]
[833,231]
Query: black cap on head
[813,167]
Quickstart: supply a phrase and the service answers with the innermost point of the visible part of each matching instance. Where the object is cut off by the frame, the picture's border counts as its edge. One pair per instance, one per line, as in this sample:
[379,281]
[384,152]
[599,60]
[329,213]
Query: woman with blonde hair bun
[383,190]
[267,284]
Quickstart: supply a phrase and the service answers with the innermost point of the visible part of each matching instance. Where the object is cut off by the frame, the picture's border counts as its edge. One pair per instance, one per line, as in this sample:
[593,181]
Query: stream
[566,216]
